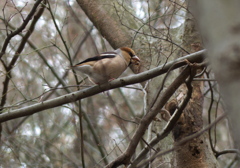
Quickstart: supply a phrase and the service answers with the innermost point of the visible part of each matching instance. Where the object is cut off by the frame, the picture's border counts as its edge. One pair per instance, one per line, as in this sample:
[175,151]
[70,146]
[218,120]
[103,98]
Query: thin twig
[20,49]
[20,28]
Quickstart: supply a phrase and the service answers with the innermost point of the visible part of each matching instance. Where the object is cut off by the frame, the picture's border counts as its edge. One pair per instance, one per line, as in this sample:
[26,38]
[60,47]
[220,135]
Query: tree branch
[18,52]
[147,119]
[183,141]
[170,125]
[103,18]
[25,22]
[25,111]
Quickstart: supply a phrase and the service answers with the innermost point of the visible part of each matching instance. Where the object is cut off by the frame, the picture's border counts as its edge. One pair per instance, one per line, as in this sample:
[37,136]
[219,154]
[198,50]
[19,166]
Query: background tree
[77,125]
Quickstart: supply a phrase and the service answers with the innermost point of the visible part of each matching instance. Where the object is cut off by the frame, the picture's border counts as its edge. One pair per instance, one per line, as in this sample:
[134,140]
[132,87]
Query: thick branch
[147,119]
[106,23]
[169,126]
[183,141]
[25,111]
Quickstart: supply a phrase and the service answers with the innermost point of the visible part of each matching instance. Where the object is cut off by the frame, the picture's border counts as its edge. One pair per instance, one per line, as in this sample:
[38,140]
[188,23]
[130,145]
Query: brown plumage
[108,65]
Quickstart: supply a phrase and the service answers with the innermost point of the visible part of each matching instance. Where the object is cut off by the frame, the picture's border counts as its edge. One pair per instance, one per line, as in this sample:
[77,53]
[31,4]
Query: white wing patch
[107,54]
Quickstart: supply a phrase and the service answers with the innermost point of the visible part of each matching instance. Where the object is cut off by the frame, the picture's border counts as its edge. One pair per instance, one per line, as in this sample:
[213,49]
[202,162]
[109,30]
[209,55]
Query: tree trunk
[196,152]
[221,33]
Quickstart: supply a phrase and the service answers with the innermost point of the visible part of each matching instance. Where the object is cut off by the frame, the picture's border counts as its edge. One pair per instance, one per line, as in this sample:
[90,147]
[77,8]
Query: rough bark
[194,153]
[105,19]
[111,27]
[221,33]
[110,19]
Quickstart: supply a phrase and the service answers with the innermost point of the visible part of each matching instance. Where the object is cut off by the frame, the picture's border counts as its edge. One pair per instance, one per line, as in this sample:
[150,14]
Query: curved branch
[227,151]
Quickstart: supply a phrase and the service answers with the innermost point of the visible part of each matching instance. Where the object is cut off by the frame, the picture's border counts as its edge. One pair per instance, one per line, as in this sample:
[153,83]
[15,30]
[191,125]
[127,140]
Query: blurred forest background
[39,41]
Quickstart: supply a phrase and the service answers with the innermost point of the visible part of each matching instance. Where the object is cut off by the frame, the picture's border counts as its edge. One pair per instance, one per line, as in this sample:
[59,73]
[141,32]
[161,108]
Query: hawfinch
[108,65]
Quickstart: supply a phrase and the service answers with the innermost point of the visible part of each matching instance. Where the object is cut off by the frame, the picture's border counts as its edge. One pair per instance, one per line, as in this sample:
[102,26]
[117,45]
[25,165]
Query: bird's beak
[135,60]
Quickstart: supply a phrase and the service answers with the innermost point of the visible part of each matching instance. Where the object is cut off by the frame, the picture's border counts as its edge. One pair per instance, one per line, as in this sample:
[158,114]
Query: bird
[108,65]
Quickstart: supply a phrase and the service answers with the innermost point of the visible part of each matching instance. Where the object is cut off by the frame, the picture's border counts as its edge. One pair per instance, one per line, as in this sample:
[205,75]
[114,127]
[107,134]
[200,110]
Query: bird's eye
[131,54]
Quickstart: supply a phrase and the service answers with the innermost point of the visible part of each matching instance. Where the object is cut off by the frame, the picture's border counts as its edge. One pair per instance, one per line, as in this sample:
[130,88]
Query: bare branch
[10,36]
[147,119]
[169,126]
[17,54]
[199,133]
[12,114]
